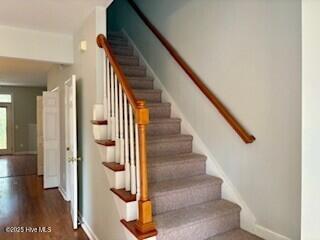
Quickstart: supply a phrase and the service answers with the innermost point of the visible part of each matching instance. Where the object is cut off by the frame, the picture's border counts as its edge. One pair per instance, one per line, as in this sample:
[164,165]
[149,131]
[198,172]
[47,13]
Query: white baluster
[132,153]
[137,160]
[109,100]
[117,120]
[121,125]
[104,62]
[126,145]
[113,134]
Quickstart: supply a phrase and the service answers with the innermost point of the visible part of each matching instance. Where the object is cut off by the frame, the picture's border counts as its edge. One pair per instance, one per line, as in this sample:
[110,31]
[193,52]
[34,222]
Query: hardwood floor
[18,165]
[25,206]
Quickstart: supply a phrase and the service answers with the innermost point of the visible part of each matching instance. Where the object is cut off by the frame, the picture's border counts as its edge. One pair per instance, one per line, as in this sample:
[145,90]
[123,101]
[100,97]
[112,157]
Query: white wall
[36,45]
[249,53]
[310,120]
[96,203]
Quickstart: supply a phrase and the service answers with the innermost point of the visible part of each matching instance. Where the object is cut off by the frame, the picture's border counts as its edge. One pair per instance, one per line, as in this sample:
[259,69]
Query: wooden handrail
[145,222]
[103,43]
[246,137]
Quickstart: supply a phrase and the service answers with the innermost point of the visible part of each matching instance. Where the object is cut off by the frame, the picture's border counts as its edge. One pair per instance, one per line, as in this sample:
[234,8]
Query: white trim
[87,229]
[229,191]
[55,89]
[63,193]
[267,234]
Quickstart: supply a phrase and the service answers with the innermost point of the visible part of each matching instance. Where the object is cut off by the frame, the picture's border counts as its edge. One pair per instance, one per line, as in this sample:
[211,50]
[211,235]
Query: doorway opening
[6,119]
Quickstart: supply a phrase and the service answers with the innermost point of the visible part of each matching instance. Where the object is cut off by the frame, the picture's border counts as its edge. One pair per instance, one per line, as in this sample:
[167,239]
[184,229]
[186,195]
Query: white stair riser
[107,154]
[98,112]
[116,179]
[127,211]
[100,132]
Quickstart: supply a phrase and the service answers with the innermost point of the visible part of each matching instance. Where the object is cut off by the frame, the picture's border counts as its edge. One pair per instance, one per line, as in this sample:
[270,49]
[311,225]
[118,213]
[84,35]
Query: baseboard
[229,191]
[268,234]
[63,193]
[25,152]
[87,229]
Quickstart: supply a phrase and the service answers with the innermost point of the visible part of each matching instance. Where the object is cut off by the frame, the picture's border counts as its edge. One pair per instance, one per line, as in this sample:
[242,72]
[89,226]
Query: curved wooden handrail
[103,43]
[246,137]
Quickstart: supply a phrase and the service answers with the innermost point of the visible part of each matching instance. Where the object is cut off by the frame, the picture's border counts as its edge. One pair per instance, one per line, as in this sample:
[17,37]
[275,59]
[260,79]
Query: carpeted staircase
[187,203]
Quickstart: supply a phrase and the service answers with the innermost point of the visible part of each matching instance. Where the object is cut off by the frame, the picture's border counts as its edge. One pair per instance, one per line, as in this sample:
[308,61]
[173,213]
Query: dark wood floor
[18,165]
[25,205]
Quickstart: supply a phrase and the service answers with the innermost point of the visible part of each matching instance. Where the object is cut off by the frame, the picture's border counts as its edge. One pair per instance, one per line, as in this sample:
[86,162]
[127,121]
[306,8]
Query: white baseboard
[63,193]
[25,152]
[268,234]
[229,191]
[87,229]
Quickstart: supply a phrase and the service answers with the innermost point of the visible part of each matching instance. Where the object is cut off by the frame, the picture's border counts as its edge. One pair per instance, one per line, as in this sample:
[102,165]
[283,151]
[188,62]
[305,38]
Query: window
[5,98]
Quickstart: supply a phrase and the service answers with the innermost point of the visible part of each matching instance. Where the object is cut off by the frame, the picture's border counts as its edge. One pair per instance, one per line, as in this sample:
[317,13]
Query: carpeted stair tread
[176,166]
[164,126]
[127,60]
[169,138]
[141,83]
[134,71]
[173,194]
[169,145]
[236,234]
[198,221]
[118,42]
[165,187]
[159,110]
[175,159]
[123,50]
[149,95]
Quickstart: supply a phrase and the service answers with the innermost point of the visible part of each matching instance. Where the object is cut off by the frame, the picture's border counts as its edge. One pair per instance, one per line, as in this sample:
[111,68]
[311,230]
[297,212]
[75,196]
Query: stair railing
[128,119]
[234,123]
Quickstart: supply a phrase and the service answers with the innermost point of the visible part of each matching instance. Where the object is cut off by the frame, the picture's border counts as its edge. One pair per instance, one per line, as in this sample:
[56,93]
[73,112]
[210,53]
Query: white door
[39,136]
[5,128]
[51,140]
[71,147]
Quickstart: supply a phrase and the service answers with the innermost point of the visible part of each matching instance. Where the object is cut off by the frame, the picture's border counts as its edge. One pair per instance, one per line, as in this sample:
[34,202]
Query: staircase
[186,203]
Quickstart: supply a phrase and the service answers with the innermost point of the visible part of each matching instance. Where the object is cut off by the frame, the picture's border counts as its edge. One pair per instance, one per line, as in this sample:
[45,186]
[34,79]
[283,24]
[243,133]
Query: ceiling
[18,72]
[58,16]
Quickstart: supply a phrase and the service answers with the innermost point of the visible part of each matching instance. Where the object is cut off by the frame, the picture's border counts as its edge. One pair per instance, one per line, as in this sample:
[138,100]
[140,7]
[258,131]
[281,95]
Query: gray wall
[25,115]
[249,53]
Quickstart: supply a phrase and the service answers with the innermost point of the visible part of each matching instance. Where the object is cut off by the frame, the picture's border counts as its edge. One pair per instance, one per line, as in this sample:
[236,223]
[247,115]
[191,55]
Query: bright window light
[5,98]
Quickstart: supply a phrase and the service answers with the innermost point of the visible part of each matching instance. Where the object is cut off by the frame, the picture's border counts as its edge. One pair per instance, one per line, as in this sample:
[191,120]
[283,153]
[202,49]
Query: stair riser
[186,197]
[134,72]
[139,84]
[175,171]
[130,61]
[169,148]
[160,112]
[123,51]
[203,229]
[149,97]
[118,43]
[163,129]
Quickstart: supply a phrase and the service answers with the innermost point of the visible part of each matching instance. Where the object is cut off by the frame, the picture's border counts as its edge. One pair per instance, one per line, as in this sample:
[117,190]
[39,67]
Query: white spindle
[132,153]
[137,160]
[121,126]
[108,99]
[112,105]
[104,66]
[117,119]
[126,145]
